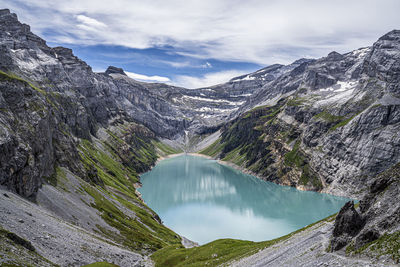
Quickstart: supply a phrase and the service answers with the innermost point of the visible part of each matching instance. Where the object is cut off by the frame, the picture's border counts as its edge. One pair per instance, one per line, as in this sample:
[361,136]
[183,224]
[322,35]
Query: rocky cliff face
[327,124]
[71,142]
[373,230]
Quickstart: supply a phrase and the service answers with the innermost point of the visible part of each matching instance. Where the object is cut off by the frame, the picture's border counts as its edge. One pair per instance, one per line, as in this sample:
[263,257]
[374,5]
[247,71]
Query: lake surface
[204,200]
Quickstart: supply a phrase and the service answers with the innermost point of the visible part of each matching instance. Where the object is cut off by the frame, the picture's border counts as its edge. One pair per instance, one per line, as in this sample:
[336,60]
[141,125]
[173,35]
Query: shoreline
[187,243]
[228,163]
[239,168]
[248,172]
[166,157]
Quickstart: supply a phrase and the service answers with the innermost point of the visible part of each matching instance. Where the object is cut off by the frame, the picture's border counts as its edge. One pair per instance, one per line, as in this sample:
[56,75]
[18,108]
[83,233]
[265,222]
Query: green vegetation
[165,149]
[339,121]
[325,115]
[214,149]
[140,231]
[342,123]
[12,77]
[218,252]
[255,141]
[58,178]
[387,244]
[109,170]
[61,178]
[211,254]
[133,145]
[235,156]
[350,248]
[137,233]
[245,132]
[296,158]
[296,101]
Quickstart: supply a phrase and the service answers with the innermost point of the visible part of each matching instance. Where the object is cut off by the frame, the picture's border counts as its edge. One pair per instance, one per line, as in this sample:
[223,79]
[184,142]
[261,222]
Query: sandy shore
[169,156]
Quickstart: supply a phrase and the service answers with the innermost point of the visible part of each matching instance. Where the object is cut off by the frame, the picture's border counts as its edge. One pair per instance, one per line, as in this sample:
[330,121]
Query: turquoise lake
[204,200]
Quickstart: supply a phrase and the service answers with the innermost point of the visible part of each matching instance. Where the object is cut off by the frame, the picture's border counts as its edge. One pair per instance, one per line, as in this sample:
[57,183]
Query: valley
[74,142]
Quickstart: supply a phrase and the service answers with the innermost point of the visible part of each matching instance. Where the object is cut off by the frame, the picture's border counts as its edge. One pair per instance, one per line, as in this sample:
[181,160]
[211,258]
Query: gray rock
[348,224]
[115,70]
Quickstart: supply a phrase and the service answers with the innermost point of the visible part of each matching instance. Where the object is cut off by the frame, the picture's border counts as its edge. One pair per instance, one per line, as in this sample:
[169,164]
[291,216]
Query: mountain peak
[335,56]
[10,19]
[392,35]
[115,70]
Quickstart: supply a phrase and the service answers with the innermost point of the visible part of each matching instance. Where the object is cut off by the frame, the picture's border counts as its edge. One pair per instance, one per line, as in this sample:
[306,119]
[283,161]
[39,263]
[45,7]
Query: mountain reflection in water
[204,200]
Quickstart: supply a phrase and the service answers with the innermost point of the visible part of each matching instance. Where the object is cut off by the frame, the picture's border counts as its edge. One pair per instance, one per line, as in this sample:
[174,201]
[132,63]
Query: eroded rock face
[115,70]
[26,137]
[383,62]
[379,213]
[348,224]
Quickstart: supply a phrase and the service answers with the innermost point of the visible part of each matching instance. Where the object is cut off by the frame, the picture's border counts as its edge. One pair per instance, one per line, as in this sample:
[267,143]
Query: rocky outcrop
[26,140]
[372,230]
[383,62]
[348,224]
[115,70]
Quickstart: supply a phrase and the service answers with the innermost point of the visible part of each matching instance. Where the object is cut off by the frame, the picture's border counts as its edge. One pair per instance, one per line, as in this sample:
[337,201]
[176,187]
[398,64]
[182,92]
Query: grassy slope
[165,150]
[143,232]
[387,244]
[217,252]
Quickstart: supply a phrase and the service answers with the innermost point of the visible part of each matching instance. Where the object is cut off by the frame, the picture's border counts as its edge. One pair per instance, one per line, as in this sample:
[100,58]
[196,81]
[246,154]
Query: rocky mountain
[73,143]
[331,125]
[328,124]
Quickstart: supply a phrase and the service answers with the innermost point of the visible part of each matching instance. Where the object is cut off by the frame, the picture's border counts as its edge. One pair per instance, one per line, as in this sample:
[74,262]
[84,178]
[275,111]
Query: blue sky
[195,43]
[163,62]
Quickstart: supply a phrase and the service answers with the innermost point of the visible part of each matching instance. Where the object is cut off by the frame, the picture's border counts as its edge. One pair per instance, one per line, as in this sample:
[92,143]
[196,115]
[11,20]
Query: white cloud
[90,22]
[208,79]
[178,64]
[185,64]
[258,31]
[145,78]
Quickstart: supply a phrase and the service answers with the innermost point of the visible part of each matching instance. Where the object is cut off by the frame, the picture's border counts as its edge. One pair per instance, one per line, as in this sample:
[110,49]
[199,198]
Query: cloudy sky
[204,42]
